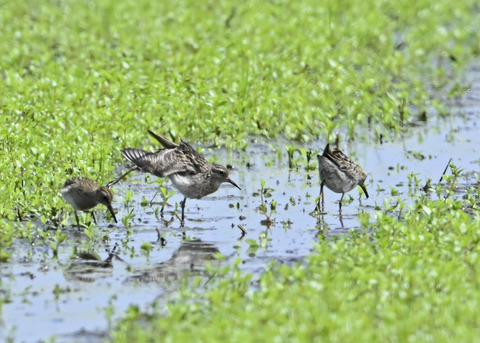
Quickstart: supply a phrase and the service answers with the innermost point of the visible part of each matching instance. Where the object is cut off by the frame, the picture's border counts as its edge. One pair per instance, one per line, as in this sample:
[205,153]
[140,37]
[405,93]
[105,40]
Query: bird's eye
[105,197]
[220,171]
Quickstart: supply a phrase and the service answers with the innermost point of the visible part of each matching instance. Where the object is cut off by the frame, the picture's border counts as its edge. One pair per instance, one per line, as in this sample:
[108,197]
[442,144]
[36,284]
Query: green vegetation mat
[81,79]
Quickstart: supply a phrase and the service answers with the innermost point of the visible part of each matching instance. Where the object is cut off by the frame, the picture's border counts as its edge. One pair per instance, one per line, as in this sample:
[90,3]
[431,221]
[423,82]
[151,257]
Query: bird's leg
[76,217]
[340,204]
[93,217]
[341,220]
[323,196]
[320,196]
[182,204]
[111,183]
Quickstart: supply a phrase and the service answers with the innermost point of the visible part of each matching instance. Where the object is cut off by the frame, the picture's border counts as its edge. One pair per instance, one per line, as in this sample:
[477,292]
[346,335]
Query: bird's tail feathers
[163,141]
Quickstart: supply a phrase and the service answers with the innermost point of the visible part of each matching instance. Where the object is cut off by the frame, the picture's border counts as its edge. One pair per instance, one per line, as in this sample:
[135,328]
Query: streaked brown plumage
[84,194]
[188,170]
[339,173]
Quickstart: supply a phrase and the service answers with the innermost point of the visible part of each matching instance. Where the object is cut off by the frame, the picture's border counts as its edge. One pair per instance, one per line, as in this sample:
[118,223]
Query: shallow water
[69,297]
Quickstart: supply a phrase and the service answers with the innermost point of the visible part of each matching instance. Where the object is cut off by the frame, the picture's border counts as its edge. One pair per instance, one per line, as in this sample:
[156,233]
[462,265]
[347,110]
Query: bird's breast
[80,201]
[334,178]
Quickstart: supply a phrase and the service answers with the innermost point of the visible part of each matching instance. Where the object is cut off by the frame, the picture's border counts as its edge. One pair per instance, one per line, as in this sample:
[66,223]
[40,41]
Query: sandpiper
[84,194]
[188,170]
[339,173]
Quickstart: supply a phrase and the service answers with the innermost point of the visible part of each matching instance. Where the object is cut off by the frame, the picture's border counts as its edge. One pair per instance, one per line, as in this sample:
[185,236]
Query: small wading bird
[188,170]
[339,173]
[84,194]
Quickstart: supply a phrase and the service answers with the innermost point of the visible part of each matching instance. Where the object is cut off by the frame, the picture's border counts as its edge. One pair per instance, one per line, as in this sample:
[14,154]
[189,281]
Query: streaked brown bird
[84,194]
[188,170]
[339,173]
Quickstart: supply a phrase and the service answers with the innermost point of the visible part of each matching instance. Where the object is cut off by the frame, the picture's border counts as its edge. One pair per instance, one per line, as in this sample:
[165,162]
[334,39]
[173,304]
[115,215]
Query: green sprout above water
[128,198]
[146,247]
[262,208]
[56,240]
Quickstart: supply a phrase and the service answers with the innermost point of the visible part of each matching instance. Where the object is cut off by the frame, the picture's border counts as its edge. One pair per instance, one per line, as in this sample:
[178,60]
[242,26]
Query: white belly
[67,195]
[188,185]
[334,178]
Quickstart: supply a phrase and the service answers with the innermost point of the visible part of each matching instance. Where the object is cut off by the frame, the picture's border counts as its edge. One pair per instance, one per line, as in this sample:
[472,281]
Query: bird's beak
[364,190]
[110,208]
[233,183]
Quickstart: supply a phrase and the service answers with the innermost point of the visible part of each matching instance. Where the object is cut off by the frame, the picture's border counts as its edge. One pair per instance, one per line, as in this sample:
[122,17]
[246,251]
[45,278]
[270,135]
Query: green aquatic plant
[126,221]
[413,180]
[146,248]
[128,197]
[56,240]
[6,238]
[451,179]
[89,231]
[262,208]
[393,191]
[166,195]
[291,150]
[144,202]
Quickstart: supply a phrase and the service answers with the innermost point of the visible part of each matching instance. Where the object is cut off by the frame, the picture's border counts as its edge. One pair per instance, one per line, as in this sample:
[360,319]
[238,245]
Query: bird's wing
[342,161]
[86,183]
[194,160]
[161,163]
